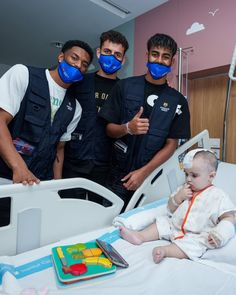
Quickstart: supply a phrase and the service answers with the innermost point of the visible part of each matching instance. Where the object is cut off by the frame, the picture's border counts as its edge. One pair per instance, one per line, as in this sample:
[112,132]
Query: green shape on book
[76,248]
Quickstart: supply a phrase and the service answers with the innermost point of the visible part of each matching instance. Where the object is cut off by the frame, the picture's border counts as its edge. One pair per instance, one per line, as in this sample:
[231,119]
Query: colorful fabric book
[82,261]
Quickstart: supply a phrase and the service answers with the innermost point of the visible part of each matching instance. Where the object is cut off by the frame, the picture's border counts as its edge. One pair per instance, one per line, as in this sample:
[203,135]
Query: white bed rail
[167,177]
[226,179]
[39,216]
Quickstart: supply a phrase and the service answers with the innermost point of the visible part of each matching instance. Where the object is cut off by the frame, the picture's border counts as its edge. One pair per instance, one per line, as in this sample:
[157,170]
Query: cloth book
[78,262]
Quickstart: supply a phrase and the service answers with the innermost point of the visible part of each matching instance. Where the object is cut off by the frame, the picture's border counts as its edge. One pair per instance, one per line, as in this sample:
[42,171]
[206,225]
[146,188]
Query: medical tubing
[226,119]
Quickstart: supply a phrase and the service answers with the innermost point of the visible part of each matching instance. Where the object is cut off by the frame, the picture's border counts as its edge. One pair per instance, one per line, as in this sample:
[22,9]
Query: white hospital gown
[203,216]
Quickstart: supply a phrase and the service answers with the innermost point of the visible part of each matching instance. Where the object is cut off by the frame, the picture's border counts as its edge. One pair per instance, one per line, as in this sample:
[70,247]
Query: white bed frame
[39,216]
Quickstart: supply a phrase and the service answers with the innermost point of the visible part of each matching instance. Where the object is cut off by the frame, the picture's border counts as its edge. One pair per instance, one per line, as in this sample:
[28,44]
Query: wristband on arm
[128,129]
[174,202]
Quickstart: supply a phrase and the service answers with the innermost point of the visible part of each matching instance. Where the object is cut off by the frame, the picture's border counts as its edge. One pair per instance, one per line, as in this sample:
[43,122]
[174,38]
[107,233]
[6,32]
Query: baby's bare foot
[130,235]
[158,254]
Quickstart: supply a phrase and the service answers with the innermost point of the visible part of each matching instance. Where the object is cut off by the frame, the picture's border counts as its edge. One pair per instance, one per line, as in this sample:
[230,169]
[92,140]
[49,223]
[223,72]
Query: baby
[200,216]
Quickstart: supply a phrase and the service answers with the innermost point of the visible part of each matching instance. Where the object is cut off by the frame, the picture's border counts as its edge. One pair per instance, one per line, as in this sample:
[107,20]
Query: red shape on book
[75,269]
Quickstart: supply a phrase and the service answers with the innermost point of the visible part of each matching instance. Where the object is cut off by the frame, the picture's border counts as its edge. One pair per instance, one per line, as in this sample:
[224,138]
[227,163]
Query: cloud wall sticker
[195,27]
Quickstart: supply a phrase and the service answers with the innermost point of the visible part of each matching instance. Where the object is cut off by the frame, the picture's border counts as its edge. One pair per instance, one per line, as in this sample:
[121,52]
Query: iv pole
[231,78]
[182,51]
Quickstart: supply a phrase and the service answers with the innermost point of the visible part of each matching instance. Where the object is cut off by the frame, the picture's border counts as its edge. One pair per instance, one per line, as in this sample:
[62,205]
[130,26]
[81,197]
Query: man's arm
[9,154]
[58,163]
[135,178]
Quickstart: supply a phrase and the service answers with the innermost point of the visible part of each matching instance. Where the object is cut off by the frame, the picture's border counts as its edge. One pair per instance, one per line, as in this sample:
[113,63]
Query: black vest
[32,124]
[160,120]
[89,140]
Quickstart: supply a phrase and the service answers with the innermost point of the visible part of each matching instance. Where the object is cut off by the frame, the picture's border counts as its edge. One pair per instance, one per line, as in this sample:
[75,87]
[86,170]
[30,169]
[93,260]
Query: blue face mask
[109,63]
[68,73]
[157,70]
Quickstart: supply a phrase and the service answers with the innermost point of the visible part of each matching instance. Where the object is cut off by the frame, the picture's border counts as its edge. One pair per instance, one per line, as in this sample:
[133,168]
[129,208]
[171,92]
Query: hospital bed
[71,221]
[39,216]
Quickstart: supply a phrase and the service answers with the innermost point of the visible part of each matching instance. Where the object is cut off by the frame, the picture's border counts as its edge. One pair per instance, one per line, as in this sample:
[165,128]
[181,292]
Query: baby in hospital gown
[200,215]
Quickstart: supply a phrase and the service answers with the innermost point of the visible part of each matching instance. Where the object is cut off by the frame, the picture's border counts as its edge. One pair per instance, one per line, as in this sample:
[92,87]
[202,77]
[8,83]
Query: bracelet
[174,202]
[128,129]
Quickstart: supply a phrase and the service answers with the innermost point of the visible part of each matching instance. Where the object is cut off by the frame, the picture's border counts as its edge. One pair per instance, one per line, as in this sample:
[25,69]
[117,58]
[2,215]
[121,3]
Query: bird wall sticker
[213,12]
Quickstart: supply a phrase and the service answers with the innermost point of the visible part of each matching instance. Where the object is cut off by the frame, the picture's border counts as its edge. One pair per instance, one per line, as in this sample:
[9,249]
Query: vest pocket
[36,99]
[132,106]
[120,154]
[32,129]
[36,107]
[155,140]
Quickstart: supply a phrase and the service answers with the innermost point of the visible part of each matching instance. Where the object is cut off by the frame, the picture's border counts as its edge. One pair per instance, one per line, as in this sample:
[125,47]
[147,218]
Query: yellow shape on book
[92,252]
[97,260]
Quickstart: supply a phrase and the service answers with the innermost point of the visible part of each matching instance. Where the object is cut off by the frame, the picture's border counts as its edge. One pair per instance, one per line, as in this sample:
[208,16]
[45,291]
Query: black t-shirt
[112,109]
[102,87]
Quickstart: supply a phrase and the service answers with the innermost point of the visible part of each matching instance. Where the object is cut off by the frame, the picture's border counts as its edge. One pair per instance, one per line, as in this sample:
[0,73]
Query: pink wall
[212,47]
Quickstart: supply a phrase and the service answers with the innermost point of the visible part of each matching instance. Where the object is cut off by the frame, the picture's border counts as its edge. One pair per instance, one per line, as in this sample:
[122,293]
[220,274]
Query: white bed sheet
[171,276]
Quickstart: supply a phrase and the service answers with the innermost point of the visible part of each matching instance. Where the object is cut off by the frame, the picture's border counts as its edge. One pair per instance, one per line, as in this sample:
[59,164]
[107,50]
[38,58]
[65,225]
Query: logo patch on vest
[165,107]
[152,99]
[69,107]
[178,109]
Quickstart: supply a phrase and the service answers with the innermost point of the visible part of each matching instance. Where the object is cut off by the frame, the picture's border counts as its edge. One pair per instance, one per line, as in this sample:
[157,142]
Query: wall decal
[195,27]
[214,12]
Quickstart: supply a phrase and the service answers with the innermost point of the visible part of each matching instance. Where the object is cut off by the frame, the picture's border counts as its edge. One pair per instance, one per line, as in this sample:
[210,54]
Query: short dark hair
[71,43]
[162,40]
[114,37]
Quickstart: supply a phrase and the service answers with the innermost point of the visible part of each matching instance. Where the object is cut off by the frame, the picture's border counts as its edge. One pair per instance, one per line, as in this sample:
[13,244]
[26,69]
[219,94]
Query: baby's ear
[212,174]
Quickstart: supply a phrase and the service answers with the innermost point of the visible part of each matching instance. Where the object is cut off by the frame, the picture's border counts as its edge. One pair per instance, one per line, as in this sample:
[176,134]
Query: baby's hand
[214,239]
[184,193]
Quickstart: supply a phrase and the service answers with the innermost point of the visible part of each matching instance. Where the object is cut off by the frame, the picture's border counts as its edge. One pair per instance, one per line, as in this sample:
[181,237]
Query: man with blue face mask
[38,113]
[147,117]
[87,155]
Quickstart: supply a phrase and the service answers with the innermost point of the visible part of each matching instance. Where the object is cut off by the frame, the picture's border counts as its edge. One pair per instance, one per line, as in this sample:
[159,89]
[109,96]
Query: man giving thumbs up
[147,117]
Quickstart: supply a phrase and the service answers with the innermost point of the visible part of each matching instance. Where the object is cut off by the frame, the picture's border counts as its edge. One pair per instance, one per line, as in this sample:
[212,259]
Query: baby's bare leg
[150,233]
[172,250]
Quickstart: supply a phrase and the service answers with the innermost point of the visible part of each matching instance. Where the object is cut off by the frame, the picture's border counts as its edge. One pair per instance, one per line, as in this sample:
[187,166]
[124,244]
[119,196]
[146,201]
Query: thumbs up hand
[139,113]
[138,125]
